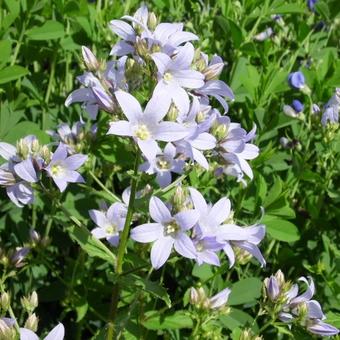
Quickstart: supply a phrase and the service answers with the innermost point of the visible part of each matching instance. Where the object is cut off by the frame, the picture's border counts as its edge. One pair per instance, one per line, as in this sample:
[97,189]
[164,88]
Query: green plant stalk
[97,180]
[121,251]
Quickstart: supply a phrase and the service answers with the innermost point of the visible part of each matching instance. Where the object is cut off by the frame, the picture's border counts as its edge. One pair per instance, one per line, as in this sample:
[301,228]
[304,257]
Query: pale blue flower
[146,127]
[57,333]
[62,168]
[167,232]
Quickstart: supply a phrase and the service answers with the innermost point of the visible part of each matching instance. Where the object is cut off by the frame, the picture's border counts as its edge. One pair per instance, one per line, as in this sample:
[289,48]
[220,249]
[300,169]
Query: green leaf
[204,272]
[281,230]
[48,31]
[245,291]
[153,288]
[81,308]
[231,28]
[5,48]
[178,320]
[92,246]
[26,128]
[333,319]
[12,73]
[288,8]
[274,193]
[235,319]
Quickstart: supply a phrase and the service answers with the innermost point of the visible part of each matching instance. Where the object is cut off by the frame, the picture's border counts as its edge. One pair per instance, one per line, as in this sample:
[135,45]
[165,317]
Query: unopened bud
[141,47]
[32,322]
[6,331]
[213,71]
[220,131]
[34,236]
[19,256]
[152,21]
[90,59]
[302,310]
[280,278]
[179,199]
[5,301]
[172,113]
[194,297]
[34,300]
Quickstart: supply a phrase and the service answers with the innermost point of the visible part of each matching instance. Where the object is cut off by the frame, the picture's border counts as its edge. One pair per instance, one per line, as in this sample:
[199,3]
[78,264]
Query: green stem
[121,251]
[19,43]
[98,181]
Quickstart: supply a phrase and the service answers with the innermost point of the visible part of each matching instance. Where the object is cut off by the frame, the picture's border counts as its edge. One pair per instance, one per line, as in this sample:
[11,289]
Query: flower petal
[170,132]
[129,104]
[159,211]
[57,333]
[184,246]
[26,171]
[199,201]
[148,232]
[187,219]
[160,251]
[7,151]
[123,30]
[120,128]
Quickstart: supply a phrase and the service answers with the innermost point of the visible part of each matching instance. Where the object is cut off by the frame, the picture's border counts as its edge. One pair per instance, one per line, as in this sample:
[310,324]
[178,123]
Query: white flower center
[199,246]
[167,76]
[57,170]
[142,132]
[163,163]
[111,229]
[171,228]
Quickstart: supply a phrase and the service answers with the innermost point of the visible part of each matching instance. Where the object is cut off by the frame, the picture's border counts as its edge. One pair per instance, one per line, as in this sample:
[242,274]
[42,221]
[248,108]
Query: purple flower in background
[62,169]
[206,249]
[266,34]
[198,139]
[316,108]
[331,109]
[168,232]
[272,287]
[174,75]
[296,80]
[57,333]
[214,87]
[220,299]
[109,223]
[304,307]
[163,164]
[236,150]
[98,93]
[211,217]
[90,59]
[246,238]
[146,127]
[321,328]
[18,257]
[297,105]
[311,4]
[166,37]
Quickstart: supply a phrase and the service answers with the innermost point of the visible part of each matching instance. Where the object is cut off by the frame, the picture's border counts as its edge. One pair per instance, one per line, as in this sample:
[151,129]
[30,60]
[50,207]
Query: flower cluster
[29,160]
[294,308]
[179,111]
[199,233]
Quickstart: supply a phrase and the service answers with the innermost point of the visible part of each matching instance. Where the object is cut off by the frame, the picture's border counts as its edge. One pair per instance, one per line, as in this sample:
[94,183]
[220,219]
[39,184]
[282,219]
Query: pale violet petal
[146,233]
[184,246]
[159,211]
[160,251]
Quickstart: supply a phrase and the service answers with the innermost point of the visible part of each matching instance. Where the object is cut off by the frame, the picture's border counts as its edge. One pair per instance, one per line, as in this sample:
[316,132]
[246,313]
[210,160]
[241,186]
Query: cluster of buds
[199,299]
[291,308]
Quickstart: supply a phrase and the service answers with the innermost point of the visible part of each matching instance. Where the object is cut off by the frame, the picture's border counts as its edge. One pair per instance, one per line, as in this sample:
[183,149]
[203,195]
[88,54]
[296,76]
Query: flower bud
[289,111]
[6,332]
[5,301]
[273,289]
[280,278]
[220,131]
[34,236]
[194,297]
[17,259]
[32,322]
[90,59]
[6,178]
[30,303]
[152,21]
[172,113]
[180,199]
[22,149]
[213,71]
[141,47]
